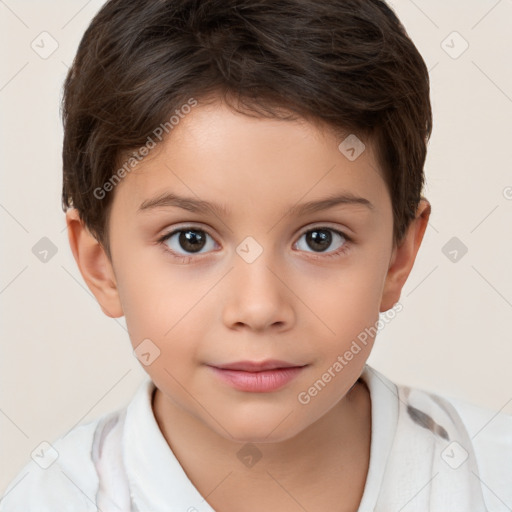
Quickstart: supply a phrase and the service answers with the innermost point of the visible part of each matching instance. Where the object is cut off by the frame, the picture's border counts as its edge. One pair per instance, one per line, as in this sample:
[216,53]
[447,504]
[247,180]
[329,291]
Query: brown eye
[189,240]
[320,239]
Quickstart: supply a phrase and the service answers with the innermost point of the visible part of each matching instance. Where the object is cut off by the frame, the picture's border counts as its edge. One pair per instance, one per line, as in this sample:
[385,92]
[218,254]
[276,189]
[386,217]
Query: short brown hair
[349,64]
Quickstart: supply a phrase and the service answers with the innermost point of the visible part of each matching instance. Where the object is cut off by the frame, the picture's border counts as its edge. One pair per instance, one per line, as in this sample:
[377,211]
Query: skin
[294,302]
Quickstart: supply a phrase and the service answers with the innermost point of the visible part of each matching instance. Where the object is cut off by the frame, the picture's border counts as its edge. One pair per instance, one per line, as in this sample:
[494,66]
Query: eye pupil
[192,240]
[319,239]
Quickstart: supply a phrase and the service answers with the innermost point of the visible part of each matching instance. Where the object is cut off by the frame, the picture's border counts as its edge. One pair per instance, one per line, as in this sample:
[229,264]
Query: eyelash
[187,259]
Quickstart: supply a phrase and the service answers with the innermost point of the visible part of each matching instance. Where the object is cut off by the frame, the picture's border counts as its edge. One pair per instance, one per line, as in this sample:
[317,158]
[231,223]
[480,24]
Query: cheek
[161,323]
[160,300]
[144,291]
[348,299]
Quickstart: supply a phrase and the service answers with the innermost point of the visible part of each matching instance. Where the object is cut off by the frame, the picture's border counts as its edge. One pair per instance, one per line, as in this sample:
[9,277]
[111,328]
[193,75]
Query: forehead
[219,155]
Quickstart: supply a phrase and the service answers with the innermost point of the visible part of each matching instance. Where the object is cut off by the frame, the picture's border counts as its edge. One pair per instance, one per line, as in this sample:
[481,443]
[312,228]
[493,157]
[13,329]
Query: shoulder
[488,435]
[490,431]
[61,475]
[465,450]
[491,436]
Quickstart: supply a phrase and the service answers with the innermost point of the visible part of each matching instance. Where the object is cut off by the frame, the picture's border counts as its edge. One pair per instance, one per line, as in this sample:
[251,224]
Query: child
[289,138]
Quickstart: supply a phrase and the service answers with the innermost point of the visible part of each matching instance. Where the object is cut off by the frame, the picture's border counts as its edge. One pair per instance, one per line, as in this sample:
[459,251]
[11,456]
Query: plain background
[63,362]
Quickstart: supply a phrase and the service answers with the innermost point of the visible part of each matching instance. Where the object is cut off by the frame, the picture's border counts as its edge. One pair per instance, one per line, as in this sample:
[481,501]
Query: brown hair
[346,63]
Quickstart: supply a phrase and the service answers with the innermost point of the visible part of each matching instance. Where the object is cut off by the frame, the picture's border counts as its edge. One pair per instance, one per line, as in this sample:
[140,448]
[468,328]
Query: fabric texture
[428,453]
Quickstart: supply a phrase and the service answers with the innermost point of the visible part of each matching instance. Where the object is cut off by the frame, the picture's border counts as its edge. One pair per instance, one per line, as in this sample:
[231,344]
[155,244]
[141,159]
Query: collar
[158,482]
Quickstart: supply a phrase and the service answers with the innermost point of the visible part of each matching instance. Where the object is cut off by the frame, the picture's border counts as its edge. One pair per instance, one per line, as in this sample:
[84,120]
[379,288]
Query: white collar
[158,482]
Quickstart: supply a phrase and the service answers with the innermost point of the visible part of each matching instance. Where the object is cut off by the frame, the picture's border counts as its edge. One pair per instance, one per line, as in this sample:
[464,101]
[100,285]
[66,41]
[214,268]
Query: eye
[189,239]
[321,238]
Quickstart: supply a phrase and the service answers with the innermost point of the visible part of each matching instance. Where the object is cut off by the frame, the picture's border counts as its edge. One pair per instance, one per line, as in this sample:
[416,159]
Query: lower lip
[259,382]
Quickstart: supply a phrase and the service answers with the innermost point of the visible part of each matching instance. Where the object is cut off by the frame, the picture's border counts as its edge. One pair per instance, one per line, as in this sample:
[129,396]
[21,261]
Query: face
[271,270]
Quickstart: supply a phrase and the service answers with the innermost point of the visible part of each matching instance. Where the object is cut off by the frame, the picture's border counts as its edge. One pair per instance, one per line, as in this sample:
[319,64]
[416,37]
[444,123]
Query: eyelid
[345,231]
[183,227]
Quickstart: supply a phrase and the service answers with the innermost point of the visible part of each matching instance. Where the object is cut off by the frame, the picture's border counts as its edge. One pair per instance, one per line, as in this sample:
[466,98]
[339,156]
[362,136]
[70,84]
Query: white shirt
[428,453]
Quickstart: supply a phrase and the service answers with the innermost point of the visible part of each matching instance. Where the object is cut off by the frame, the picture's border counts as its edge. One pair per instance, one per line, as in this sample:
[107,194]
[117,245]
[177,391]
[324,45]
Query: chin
[271,430]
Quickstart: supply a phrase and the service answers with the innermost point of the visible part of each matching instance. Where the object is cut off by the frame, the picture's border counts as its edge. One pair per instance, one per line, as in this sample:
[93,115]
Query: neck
[330,456]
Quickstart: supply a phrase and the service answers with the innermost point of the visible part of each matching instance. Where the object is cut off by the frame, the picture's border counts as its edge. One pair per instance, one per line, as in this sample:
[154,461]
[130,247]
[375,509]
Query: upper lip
[257,366]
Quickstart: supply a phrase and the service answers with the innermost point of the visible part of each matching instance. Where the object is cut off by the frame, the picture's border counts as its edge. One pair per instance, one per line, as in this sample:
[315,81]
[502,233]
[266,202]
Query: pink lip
[256,366]
[257,377]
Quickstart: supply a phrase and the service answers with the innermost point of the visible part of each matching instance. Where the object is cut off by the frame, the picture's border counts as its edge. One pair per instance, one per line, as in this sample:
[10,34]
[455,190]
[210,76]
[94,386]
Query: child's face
[303,299]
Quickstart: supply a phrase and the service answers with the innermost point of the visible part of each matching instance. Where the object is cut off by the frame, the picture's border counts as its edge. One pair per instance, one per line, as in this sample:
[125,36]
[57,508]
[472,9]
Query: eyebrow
[191,204]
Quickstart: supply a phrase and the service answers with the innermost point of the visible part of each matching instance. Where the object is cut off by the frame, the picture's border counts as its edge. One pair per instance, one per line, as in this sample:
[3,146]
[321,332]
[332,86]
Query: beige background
[62,361]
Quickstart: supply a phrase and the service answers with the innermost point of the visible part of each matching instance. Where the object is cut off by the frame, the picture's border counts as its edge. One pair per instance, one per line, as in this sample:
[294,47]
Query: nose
[257,296]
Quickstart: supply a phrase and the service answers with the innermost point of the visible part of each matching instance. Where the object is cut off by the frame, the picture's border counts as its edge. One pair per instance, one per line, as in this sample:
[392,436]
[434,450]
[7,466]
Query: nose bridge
[256,274]
[253,266]
[257,297]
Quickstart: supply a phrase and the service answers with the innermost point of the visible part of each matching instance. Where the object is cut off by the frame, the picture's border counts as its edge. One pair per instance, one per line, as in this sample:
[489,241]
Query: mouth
[257,377]
[257,366]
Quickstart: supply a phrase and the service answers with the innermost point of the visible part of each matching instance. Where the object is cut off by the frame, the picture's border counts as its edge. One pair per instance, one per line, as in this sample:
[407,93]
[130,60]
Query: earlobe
[403,257]
[94,265]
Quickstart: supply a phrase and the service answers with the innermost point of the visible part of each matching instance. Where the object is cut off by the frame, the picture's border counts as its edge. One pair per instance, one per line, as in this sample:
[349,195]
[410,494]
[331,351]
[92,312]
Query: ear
[94,265]
[403,257]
